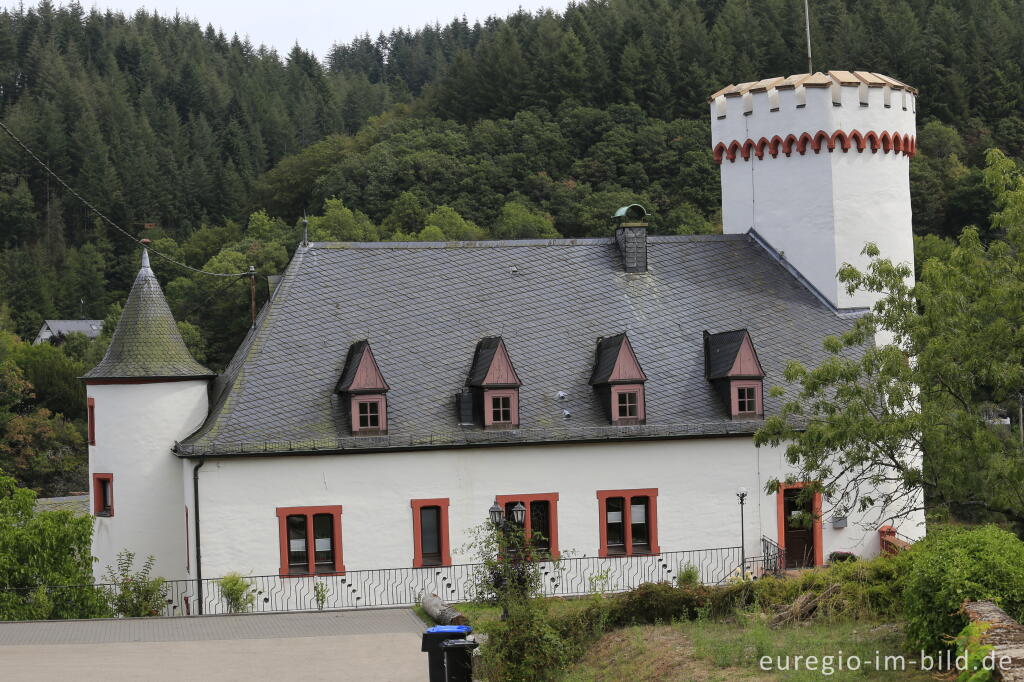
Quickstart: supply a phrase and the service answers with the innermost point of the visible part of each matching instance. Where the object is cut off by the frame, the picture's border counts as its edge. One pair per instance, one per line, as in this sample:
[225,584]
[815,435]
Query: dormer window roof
[619,380]
[361,373]
[733,368]
[363,384]
[616,362]
[492,367]
[731,355]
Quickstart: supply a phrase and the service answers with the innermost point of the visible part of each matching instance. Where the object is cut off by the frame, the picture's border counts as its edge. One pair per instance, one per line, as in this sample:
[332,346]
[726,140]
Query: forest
[531,125]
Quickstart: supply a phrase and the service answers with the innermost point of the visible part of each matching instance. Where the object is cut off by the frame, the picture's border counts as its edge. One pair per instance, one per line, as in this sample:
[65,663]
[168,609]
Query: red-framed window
[430,542]
[501,408]
[816,539]
[746,398]
[628,522]
[91,420]
[628,404]
[541,521]
[310,540]
[103,494]
[369,413]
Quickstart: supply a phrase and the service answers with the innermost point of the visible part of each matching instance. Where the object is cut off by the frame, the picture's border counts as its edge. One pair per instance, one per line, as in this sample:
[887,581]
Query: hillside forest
[532,125]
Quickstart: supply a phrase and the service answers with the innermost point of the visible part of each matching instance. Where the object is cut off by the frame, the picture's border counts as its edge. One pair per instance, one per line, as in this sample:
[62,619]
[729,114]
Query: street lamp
[504,525]
[741,494]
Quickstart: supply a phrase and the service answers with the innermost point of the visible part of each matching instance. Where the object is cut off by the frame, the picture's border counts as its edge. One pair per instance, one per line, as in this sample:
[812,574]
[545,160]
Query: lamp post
[504,524]
[741,494]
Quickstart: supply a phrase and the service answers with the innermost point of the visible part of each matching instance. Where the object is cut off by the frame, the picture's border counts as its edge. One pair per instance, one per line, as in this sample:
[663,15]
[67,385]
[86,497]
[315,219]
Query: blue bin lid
[451,628]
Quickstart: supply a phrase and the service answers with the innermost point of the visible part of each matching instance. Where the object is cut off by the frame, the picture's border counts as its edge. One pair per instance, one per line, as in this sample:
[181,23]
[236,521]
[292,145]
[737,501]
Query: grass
[711,651]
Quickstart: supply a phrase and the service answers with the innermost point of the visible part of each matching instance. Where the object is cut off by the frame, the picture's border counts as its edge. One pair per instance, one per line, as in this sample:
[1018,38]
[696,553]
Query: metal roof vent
[631,236]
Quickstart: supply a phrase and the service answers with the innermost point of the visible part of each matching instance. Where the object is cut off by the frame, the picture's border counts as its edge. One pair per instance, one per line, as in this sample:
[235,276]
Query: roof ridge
[511,243]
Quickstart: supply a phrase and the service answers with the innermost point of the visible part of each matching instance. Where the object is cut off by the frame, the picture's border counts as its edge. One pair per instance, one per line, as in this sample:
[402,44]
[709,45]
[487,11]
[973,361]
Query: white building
[389,393]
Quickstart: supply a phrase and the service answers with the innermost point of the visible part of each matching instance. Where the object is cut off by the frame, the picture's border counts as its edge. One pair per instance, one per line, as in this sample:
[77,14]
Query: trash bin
[458,659]
[432,639]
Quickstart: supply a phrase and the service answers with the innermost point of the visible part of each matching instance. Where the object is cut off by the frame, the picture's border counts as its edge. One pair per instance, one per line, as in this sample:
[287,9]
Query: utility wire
[110,222]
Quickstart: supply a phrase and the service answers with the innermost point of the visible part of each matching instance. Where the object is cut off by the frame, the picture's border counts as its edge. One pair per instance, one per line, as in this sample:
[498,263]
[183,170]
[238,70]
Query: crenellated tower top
[817,164]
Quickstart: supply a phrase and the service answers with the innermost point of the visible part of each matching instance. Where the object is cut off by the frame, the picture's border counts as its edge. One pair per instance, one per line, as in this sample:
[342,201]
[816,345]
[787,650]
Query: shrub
[320,594]
[132,593]
[952,565]
[237,592]
[657,603]
[688,575]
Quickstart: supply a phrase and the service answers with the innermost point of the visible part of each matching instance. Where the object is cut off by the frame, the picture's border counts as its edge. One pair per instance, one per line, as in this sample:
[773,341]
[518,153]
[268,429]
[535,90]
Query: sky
[316,25]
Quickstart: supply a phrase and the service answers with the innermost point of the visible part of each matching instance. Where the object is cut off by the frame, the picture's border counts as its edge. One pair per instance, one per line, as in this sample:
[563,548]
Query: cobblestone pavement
[373,645]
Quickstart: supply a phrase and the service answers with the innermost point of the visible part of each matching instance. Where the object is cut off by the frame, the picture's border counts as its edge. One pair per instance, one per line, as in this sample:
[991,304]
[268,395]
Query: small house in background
[57,328]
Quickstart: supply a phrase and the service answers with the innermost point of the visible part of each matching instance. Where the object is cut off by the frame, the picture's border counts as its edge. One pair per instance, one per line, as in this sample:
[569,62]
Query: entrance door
[799,537]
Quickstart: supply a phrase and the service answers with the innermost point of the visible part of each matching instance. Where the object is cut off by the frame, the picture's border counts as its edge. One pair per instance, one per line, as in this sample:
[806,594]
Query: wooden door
[799,537]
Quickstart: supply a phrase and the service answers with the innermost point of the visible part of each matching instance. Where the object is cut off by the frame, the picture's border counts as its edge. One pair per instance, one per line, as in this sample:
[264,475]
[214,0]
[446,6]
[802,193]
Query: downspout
[195,514]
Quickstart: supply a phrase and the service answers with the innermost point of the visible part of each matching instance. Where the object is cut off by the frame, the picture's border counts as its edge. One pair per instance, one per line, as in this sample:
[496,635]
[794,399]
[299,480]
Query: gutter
[195,514]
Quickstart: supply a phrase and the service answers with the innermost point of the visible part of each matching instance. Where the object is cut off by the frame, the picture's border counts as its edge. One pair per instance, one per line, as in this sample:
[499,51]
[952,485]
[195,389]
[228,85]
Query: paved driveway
[374,645]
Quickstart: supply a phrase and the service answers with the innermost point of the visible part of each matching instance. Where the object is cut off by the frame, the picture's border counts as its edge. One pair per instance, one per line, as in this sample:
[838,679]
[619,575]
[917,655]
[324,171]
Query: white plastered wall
[697,505]
[136,425]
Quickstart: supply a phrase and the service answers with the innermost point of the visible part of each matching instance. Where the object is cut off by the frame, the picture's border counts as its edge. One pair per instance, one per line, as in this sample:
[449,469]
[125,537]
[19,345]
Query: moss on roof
[146,342]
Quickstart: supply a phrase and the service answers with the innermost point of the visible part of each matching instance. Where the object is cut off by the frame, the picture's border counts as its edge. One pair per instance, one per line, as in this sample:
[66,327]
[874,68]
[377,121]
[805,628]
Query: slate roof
[425,306]
[76,504]
[91,328]
[146,342]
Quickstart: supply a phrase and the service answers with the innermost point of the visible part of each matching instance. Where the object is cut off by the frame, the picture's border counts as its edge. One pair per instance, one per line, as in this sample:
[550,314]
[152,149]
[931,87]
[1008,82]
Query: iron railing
[376,588]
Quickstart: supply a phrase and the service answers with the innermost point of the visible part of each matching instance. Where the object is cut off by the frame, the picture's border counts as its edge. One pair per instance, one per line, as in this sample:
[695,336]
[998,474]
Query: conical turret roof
[146,342]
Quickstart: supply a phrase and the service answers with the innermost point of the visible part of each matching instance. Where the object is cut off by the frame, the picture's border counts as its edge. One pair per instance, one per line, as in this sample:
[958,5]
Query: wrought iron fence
[377,588]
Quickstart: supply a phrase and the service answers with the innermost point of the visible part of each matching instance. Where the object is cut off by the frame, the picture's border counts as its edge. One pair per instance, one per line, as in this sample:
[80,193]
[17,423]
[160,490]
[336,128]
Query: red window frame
[734,398]
[527,500]
[91,420]
[641,411]
[780,512]
[513,395]
[652,521]
[309,512]
[417,536]
[382,410]
[98,481]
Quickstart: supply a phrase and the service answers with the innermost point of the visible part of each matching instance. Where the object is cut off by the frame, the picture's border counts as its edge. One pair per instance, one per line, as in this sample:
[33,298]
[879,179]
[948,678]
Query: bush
[952,565]
[657,603]
[688,575]
[237,592]
[132,593]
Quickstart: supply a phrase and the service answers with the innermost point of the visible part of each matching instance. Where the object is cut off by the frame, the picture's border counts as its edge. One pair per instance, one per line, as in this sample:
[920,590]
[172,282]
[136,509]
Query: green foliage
[132,593]
[956,564]
[320,594]
[238,593]
[42,549]
[42,450]
[688,575]
[969,645]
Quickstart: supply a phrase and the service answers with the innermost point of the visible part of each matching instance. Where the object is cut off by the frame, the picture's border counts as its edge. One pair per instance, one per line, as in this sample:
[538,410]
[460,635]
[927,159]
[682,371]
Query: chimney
[631,236]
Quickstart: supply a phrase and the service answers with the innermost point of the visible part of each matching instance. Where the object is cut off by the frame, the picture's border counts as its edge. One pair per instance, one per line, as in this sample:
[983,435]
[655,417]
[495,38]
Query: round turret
[817,165]
[147,393]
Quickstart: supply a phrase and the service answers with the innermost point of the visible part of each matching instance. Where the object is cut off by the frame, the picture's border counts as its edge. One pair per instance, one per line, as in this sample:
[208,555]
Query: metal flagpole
[807,23]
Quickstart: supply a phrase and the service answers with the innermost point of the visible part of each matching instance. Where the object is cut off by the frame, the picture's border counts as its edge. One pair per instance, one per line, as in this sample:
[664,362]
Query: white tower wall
[136,424]
[819,208]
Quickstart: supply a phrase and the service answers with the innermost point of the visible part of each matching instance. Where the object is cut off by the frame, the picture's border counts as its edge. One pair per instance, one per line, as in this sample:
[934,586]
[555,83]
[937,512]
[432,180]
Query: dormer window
[618,381]
[364,391]
[732,367]
[494,386]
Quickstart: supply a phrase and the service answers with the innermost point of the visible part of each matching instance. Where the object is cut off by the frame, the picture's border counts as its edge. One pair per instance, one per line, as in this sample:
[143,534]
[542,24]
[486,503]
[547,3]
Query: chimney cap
[631,213]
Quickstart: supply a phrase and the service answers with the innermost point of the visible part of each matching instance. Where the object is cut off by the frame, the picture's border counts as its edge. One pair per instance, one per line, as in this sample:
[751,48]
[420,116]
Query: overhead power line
[107,220]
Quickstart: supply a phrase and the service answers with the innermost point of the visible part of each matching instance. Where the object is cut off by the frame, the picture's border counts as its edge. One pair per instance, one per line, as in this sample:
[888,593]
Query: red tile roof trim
[886,142]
